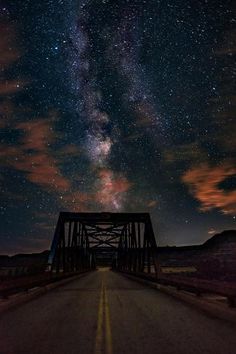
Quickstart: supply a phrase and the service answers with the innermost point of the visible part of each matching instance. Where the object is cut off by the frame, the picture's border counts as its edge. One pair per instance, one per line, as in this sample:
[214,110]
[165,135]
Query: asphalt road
[104,312]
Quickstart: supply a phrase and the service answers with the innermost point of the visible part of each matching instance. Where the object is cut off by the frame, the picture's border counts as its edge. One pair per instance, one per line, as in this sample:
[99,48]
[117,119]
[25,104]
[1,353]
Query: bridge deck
[104,312]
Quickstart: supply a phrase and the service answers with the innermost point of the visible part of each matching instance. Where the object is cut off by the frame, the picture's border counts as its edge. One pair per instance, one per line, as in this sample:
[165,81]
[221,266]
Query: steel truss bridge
[107,311]
[124,241]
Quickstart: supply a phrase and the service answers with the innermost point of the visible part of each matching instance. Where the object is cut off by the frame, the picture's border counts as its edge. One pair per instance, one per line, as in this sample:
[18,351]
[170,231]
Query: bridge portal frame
[130,235]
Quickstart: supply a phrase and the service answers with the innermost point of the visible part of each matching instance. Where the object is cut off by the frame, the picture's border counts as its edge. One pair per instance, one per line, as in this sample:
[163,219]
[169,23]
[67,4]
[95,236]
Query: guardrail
[14,286]
[194,285]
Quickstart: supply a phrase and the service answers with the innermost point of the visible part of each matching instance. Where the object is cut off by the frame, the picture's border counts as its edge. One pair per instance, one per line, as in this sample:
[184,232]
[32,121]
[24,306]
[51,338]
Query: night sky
[111,105]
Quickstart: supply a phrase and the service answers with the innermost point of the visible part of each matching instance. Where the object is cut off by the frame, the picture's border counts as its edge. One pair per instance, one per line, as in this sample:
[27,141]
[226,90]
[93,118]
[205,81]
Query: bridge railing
[13,286]
[193,285]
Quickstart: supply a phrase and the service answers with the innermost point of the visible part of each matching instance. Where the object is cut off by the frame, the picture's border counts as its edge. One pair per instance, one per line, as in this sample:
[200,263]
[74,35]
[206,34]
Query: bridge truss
[124,241]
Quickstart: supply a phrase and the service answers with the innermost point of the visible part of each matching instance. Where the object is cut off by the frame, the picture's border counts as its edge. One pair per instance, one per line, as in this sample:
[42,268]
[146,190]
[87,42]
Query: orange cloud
[111,189]
[41,169]
[40,166]
[204,185]
[38,134]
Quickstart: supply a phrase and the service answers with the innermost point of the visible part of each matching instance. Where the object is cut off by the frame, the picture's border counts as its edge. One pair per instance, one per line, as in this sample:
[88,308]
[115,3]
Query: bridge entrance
[124,241]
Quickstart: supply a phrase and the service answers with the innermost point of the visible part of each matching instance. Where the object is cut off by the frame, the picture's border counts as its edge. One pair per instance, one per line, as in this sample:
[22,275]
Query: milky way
[117,106]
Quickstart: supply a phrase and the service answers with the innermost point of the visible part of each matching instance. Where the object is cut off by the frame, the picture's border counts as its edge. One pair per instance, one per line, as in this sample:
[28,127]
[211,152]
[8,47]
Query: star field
[117,106]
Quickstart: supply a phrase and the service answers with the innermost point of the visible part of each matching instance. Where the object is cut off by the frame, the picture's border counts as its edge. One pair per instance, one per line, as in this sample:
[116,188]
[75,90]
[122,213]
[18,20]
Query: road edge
[210,308]
[22,298]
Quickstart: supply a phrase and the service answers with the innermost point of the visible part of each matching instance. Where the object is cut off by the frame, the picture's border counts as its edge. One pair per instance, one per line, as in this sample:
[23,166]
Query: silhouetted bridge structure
[124,241]
[103,311]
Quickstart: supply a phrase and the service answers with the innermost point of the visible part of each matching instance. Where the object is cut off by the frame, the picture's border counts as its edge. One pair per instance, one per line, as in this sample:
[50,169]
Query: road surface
[104,312]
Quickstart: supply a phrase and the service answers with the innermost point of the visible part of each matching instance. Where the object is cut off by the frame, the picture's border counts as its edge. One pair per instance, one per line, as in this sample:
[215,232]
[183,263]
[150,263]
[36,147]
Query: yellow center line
[108,326]
[103,336]
[99,336]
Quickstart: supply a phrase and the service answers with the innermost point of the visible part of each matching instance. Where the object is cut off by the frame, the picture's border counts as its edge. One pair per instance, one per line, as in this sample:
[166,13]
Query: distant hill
[227,235]
[224,236]
[24,259]
[214,259]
